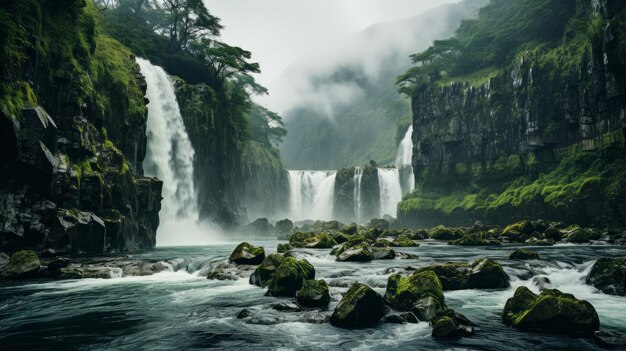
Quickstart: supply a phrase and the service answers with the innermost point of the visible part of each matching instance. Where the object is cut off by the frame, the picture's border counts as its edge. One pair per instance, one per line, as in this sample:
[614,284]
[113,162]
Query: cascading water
[358,177]
[403,162]
[169,157]
[311,194]
[390,191]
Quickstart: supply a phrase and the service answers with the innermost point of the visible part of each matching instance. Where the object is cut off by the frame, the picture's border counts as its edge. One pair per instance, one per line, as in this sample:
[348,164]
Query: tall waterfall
[169,157]
[390,190]
[358,205]
[403,162]
[311,194]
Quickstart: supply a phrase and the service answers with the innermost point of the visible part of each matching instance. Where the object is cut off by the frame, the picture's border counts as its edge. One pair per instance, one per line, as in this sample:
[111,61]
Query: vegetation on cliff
[235,140]
[518,116]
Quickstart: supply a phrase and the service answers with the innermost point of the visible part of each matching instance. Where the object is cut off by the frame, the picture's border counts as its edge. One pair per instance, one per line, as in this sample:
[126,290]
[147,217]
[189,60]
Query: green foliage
[570,180]
[557,33]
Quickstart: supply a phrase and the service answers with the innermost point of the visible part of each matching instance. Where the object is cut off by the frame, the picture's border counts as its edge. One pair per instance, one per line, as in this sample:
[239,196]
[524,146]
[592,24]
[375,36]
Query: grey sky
[279,32]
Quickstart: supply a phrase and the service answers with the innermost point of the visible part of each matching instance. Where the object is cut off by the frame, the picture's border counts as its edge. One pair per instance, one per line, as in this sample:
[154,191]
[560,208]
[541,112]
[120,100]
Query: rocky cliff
[542,136]
[73,126]
[345,196]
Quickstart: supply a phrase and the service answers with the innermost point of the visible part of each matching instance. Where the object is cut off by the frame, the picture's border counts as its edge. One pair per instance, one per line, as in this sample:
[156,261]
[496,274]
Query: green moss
[403,293]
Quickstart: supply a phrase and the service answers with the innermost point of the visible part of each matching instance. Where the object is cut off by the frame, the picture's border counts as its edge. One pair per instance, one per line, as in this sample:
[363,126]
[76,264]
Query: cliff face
[73,126]
[477,140]
[345,191]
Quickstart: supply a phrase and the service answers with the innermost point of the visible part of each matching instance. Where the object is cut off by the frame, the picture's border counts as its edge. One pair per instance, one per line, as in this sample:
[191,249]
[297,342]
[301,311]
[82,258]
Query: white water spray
[358,177]
[390,191]
[169,157]
[311,194]
[403,162]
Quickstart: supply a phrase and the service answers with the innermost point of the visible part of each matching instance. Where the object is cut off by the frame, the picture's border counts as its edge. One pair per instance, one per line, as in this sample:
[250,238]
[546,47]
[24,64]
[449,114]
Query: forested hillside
[521,114]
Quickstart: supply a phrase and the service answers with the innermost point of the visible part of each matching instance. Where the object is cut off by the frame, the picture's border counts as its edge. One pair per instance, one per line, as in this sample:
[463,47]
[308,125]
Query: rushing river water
[183,310]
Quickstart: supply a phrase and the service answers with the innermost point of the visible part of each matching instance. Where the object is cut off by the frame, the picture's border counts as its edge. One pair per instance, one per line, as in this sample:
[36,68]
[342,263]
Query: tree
[189,20]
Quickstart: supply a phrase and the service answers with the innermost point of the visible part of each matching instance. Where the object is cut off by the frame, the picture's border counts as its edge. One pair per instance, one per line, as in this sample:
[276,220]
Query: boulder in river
[358,253]
[290,277]
[609,275]
[420,293]
[284,229]
[552,311]
[265,271]
[453,275]
[22,265]
[314,293]
[322,240]
[487,274]
[403,241]
[521,254]
[383,253]
[245,253]
[282,248]
[610,340]
[361,307]
[445,233]
[448,324]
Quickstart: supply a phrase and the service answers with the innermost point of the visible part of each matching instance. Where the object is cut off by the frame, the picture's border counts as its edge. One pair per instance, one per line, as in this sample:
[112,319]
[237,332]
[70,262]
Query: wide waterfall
[358,205]
[169,157]
[390,191]
[403,162]
[311,194]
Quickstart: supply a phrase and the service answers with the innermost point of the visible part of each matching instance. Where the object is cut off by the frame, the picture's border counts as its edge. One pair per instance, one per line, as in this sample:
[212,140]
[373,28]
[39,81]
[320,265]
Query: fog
[296,41]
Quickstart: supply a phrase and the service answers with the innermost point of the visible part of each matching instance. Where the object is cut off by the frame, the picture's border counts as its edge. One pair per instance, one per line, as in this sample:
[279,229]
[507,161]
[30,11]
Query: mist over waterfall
[169,157]
[311,194]
[403,162]
[390,191]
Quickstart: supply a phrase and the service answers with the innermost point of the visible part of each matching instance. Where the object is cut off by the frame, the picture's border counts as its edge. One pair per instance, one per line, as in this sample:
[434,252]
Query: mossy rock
[581,235]
[520,228]
[383,253]
[553,233]
[23,264]
[521,254]
[358,253]
[245,253]
[84,273]
[290,277]
[301,237]
[488,274]
[265,271]
[449,324]
[445,233]
[609,275]
[361,307]
[403,241]
[382,243]
[321,241]
[314,293]
[340,237]
[452,275]
[379,223]
[552,311]
[403,294]
[473,240]
[350,229]
[282,248]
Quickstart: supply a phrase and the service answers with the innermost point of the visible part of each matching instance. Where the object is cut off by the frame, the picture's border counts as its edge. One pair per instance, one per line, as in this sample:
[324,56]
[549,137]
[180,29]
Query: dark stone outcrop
[521,254]
[22,265]
[290,277]
[420,293]
[314,293]
[487,274]
[609,275]
[265,271]
[245,253]
[550,312]
[449,324]
[361,307]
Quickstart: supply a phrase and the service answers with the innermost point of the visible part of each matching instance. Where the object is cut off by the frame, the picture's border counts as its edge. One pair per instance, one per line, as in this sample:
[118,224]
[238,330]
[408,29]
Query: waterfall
[169,156]
[311,194]
[390,191]
[358,177]
[403,162]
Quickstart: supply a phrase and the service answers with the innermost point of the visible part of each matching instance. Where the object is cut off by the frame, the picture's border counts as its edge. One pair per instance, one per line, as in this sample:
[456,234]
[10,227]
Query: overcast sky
[279,32]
